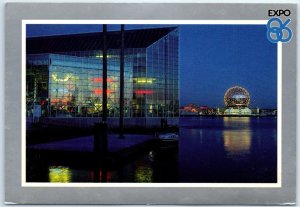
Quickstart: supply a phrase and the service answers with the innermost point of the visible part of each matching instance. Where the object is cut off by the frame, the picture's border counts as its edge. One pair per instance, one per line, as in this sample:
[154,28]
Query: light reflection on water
[228,149]
[237,142]
[143,174]
[236,122]
[59,174]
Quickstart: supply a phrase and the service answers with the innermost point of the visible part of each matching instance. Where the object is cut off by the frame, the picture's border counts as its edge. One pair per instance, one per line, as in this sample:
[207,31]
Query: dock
[80,151]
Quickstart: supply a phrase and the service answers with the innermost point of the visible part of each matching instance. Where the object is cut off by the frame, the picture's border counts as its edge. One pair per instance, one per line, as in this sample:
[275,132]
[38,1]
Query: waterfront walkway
[85,144]
[82,148]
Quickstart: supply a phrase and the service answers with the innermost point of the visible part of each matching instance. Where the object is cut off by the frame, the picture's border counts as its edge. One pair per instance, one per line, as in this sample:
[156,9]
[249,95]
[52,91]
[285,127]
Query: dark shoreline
[228,115]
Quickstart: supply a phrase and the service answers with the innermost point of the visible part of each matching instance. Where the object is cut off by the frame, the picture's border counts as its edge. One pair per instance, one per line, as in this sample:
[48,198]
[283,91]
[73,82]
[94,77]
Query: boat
[167,141]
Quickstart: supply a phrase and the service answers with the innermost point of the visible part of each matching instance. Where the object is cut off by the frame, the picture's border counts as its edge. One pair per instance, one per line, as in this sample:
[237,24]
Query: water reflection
[237,141]
[216,150]
[100,175]
[59,174]
[236,121]
[143,174]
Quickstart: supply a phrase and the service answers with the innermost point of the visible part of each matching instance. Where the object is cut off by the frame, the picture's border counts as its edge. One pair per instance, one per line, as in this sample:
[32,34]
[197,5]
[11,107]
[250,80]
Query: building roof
[140,38]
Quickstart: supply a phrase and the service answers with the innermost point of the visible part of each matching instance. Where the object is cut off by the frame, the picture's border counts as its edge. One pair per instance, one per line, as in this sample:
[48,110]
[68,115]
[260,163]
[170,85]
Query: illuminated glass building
[64,74]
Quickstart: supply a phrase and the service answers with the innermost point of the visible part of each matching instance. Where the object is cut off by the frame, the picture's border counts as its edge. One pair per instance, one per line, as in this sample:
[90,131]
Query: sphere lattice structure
[236,97]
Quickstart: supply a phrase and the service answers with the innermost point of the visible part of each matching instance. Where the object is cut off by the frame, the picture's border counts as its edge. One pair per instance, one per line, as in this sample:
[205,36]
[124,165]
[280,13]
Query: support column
[121,122]
[104,87]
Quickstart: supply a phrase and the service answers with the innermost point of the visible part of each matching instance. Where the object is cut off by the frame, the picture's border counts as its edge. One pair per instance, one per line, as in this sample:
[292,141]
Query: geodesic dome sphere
[236,96]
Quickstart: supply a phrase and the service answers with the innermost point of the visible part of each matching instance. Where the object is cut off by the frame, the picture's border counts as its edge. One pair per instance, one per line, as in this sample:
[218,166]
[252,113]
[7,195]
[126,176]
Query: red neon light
[144,91]
[98,91]
[109,91]
[98,80]
[58,100]
[54,100]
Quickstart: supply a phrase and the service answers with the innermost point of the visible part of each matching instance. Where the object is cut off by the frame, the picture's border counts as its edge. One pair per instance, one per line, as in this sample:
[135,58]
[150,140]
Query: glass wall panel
[161,97]
[37,74]
[70,83]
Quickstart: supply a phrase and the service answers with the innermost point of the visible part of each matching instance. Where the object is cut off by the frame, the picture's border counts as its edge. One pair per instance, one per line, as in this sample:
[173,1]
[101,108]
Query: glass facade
[69,83]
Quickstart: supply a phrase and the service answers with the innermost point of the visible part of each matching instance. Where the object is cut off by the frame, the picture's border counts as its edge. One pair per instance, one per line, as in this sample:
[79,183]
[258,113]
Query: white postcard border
[172,185]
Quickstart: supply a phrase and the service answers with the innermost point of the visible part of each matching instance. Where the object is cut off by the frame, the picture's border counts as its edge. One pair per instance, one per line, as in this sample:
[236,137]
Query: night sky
[213,58]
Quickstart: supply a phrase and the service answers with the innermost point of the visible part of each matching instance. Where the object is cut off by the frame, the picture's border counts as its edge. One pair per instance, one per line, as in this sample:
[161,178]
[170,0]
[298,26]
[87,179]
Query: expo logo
[278,31]
[273,13]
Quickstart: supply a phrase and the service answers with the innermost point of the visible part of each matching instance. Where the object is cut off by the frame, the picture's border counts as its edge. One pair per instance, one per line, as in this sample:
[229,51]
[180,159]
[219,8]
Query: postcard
[138,108]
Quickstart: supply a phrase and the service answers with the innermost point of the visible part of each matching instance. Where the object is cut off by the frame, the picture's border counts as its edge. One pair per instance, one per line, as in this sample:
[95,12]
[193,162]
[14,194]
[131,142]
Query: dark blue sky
[212,59]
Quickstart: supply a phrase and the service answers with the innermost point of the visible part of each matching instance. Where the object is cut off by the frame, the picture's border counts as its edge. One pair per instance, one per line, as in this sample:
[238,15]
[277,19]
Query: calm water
[211,149]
